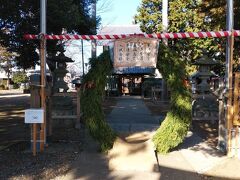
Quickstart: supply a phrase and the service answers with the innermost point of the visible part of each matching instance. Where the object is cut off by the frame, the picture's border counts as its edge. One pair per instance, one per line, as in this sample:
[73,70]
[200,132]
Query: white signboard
[135,51]
[34,115]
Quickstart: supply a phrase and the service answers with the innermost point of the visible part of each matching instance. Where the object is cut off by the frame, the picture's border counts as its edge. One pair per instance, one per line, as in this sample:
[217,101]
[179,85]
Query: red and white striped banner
[212,34]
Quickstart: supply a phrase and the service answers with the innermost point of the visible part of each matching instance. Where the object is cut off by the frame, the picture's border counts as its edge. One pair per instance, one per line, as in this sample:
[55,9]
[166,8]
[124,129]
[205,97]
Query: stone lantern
[59,73]
[62,105]
[204,73]
[205,105]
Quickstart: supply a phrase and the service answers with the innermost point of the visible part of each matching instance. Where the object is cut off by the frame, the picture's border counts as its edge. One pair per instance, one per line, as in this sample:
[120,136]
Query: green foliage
[2,87]
[216,12]
[183,16]
[175,126]
[19,77]
[18,17]
[6,60]
[91,102]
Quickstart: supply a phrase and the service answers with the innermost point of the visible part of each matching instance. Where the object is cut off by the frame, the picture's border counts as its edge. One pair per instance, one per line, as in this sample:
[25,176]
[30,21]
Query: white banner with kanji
[135,52]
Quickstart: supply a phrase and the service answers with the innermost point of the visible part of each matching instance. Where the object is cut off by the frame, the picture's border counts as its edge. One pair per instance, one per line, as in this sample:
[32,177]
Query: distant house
[4,77]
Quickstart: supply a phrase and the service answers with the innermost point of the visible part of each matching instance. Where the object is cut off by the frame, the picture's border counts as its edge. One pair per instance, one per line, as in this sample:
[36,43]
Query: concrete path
[93,165]
[199,154]
[131,115]
[133,149]
[132,156]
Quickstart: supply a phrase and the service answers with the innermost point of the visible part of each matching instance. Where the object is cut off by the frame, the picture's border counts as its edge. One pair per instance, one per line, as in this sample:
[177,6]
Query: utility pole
[82,58]
[93,42]
[43,9]
[165,41]
[229,77]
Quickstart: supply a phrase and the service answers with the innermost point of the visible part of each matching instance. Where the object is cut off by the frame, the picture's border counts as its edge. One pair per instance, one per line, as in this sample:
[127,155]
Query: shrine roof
[205,60]
[120,29]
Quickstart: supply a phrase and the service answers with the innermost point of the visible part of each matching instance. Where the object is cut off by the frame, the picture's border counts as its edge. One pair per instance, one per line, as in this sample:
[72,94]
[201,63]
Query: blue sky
[117,12]
[112,12]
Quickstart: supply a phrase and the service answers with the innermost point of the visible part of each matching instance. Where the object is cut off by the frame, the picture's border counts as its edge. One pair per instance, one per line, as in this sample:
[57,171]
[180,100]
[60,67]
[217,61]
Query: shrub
[19,77]
[15,86]
[176,124]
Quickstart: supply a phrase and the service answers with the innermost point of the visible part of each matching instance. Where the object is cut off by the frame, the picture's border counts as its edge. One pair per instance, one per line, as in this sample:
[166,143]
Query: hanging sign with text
[135,52]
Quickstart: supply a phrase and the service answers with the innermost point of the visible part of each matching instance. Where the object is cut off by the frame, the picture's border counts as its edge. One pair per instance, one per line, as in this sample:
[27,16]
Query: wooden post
[43,9]
[236,121]
[230,97]
[50,116]
[236,142]
[34,135]
[34,103]
[43,96]
[236,100]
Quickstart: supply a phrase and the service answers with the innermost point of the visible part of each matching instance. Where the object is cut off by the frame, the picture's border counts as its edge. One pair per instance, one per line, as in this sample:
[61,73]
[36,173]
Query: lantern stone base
[205,107]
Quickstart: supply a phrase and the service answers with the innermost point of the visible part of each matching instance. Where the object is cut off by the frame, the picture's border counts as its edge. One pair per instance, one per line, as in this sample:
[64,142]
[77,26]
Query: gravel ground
[62,149]
[64,146]
[21,164]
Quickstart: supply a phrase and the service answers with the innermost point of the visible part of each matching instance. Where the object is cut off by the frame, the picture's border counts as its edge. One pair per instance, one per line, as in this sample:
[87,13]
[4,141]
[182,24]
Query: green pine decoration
[91,101]
[176,124]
